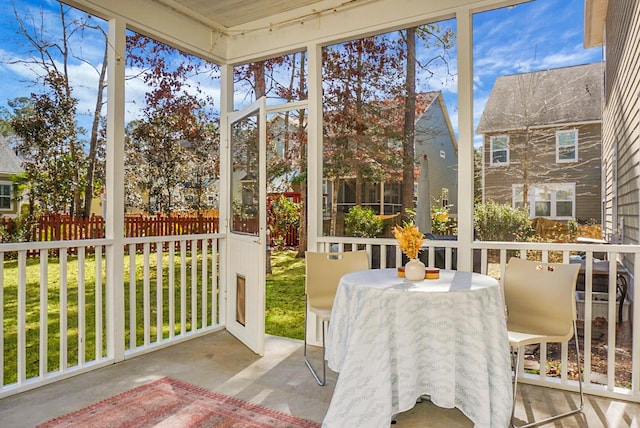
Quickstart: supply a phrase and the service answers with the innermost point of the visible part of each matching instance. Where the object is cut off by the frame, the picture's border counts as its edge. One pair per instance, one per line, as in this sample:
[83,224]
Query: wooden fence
[62,227]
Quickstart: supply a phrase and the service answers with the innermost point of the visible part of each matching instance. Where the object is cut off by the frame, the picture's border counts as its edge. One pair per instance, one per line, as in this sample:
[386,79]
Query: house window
[554,201]
[5,196]
[567,146]
[499,150]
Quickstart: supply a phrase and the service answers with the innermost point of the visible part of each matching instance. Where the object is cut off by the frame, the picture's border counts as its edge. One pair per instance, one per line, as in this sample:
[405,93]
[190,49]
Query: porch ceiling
[226,14]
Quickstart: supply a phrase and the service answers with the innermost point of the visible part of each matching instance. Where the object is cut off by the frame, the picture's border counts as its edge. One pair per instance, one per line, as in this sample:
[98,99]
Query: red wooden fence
[62,227]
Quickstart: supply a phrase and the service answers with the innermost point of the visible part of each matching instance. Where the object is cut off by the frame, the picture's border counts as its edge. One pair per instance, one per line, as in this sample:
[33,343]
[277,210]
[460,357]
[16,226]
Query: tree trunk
[93,142]
[334,205]
[408,152]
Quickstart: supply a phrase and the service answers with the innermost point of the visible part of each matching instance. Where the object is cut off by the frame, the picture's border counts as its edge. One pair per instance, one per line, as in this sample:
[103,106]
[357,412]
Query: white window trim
[10,184]
[532,205]
[566,131]
[491,139]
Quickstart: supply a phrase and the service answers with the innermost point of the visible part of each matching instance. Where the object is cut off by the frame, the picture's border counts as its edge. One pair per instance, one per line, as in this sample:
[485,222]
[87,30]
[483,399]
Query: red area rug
[170,403]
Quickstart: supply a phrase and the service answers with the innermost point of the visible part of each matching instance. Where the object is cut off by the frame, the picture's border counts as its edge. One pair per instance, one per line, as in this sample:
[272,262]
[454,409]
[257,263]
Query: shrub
[441,222]
[283,214]
[362,223]
[501,222]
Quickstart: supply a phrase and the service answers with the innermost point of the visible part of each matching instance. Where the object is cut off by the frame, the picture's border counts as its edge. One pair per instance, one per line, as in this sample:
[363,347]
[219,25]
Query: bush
[501,222]
[283,214]
[362,223]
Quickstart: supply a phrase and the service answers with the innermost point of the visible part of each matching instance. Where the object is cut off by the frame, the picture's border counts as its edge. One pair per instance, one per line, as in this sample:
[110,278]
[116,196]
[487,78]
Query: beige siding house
[542,140]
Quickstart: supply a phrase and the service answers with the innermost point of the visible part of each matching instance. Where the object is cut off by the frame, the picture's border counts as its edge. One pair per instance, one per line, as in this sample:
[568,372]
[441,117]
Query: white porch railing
[54,312]
[621,377]
[53,308]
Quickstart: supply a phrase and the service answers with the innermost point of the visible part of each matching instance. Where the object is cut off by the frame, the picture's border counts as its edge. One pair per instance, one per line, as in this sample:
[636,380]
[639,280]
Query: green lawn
[284,300]
[285,296]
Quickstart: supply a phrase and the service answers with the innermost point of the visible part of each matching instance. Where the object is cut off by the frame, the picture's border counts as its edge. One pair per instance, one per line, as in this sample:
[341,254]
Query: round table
[394,340]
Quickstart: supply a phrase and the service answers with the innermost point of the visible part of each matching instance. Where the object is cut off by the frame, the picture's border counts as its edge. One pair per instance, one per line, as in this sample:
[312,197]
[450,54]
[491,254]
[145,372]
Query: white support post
[465,139]
[115,189]
[314,148]
[224,196]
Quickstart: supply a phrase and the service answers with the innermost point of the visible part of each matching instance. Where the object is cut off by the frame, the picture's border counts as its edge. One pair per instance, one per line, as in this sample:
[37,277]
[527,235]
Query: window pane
[543,209]
[564,209]
[567,153]
[499,157]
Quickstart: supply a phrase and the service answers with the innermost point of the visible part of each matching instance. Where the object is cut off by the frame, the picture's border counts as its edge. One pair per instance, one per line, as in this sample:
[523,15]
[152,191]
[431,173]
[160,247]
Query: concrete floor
[279,381]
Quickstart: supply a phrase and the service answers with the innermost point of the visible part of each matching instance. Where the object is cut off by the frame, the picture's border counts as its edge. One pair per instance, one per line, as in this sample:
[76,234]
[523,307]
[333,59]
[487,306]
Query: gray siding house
[10,165]
[436,152]
[541,146]
[616,25]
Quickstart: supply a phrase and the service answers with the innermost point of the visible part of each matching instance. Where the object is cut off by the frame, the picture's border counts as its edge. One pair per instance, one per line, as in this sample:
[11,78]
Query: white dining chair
[323,273]
[541,307]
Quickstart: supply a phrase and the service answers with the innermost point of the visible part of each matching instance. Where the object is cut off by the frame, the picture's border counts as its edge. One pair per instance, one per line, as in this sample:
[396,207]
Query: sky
[537,35]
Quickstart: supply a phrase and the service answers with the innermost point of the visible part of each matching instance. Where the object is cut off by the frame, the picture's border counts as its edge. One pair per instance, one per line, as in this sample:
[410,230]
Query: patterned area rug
[170,403]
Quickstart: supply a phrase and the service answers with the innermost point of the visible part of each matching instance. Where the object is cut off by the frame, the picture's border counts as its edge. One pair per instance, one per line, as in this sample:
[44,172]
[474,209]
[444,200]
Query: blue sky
[537,35]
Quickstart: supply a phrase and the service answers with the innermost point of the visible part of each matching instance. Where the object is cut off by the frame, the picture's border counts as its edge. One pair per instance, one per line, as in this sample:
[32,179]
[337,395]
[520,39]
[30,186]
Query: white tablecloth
[393,341]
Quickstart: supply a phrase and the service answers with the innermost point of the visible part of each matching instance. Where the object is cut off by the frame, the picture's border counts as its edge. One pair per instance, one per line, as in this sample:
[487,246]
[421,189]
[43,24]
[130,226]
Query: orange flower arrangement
[409,238]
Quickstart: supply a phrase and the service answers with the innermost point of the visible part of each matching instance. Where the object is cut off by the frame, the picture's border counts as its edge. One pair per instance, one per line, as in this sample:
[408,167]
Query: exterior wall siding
[621,133]
[432,136]
[537,160]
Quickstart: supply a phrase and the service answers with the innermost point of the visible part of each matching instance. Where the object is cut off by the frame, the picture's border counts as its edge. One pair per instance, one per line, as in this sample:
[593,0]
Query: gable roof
[544,98]
[9,162]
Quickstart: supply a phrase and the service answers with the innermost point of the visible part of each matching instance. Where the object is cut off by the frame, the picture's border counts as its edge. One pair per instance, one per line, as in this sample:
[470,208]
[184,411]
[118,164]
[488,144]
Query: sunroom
[277,81]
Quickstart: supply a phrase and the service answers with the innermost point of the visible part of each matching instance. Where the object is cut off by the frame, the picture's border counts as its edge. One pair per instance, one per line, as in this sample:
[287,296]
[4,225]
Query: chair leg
[308,363]
[562,415]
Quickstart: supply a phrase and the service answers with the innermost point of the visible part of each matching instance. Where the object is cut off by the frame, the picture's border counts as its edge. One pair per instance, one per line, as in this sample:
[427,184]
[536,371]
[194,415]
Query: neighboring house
[435,141]
[10,165]
[542,142]
[615,24]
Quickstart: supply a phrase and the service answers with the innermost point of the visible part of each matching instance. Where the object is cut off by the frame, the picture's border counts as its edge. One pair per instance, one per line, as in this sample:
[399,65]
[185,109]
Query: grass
[32,297]
[285,304]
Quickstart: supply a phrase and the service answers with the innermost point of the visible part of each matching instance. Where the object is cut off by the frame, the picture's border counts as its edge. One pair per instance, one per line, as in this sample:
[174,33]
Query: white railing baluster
[159,308]
[146,294]
[98,302]
[22,315]
[215,284]
[64,348]
[183,287]
[172,289]
[204,282]
[133,326]
[82,334]
[194,287]
[613,319]
[44,312]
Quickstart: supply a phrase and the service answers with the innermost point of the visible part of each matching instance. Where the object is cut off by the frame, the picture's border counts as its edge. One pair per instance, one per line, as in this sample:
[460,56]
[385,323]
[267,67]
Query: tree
[358,131]
[50,54]
[283,78]
[433,37]
[172,148]
[47,144]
